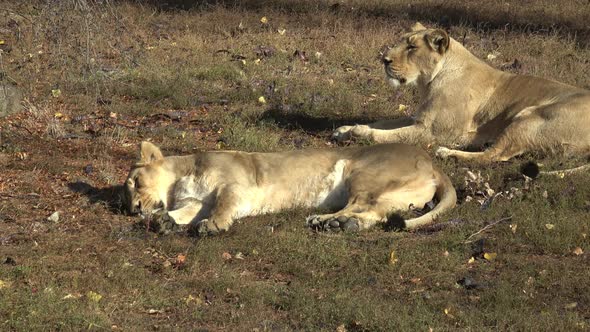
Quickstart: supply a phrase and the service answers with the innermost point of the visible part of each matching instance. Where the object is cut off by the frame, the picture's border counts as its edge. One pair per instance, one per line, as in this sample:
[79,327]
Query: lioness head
[415,56]
[146,187]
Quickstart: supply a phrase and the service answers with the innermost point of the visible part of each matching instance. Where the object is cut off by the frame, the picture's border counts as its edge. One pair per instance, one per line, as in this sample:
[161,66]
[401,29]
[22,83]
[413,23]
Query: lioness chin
[467,103]
[209,190]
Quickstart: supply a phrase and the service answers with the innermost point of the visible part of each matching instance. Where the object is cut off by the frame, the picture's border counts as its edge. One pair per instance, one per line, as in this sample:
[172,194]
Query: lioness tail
[447,198]
[531,169]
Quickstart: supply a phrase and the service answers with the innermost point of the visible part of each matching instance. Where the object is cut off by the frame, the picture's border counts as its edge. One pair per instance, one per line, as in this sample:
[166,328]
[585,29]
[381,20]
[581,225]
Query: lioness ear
[417,27]
[439,40]
[148,153]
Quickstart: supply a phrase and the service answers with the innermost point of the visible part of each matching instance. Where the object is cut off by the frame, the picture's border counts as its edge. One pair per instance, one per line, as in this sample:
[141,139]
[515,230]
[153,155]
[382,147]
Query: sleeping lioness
[209,190]
[467,103]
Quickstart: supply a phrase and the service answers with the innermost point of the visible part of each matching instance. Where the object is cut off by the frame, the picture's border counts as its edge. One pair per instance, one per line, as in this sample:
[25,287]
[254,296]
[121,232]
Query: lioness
[467,103]
[211,189]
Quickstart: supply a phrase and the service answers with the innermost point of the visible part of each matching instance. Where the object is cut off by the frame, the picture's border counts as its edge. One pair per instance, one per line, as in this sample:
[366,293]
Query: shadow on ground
[113,197]
[310,124]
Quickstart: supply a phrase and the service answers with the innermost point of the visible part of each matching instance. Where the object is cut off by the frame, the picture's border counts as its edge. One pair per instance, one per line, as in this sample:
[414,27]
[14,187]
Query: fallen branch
[487,227]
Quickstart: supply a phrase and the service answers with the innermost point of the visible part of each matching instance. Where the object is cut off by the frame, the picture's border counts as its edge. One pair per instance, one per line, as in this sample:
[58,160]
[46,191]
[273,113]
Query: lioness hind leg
[344,221]
[518,138]
[360,213]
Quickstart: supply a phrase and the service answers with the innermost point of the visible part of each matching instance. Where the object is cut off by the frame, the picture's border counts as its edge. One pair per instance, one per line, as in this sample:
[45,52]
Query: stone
[10,99]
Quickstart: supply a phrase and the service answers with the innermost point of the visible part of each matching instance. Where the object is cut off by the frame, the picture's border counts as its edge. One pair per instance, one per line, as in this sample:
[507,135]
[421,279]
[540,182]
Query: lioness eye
[137,185]
[411,47]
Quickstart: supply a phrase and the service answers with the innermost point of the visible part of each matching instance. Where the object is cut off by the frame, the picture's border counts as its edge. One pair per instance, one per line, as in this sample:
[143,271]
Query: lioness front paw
[342,134]
[206,227]
[346,133]
[443,152]
[335,224]
[161,223]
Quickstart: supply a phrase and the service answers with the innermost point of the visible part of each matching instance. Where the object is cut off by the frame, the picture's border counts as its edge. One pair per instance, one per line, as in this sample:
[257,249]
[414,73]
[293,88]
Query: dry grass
[129,72]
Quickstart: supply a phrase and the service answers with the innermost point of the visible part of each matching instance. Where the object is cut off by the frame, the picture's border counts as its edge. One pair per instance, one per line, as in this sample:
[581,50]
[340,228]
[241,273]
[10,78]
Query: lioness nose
[386,60]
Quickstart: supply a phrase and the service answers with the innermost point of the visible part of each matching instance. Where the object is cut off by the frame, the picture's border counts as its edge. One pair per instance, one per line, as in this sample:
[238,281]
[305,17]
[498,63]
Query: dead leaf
[490,256]
[54,217]
[549,226]
[56,93]
[4,284]
[72,296]
[190,299]
[226,256]
[578,251]
[513,228]
[155,311]
[392,258]
[262,100]
[281,31]
[471,260]
[93,296]
[264,20]
[341,328]
[571,305]
[180,259]
[239,255]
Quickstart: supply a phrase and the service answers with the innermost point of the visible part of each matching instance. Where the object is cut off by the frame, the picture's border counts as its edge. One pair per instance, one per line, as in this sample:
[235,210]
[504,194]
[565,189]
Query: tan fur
[468,104]
[363,184]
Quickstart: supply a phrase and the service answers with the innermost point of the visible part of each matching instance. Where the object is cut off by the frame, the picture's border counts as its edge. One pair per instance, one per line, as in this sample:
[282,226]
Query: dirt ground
[98,77]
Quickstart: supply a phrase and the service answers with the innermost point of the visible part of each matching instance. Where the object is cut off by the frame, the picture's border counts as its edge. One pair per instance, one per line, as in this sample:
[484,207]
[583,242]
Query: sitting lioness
[467,103]
[209,190]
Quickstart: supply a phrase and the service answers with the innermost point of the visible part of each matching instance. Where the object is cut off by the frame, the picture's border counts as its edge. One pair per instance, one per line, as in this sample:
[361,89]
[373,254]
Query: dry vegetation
[100,76]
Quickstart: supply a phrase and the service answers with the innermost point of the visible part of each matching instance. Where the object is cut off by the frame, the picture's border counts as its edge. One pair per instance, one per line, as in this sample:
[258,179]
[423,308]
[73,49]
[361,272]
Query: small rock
[468,283]
[10,99]
[54,217]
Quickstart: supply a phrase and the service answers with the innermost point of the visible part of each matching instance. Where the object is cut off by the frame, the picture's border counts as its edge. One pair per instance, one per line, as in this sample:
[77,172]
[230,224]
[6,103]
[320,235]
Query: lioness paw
[342,134]
[161,223]
[332,223]
[346,133]
[443,152]
[205,227]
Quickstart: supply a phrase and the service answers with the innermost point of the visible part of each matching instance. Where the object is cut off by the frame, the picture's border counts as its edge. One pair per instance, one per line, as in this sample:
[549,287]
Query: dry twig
[488,226]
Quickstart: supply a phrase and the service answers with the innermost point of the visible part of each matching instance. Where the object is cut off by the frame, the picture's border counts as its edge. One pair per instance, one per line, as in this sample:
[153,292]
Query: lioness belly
[324,190]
